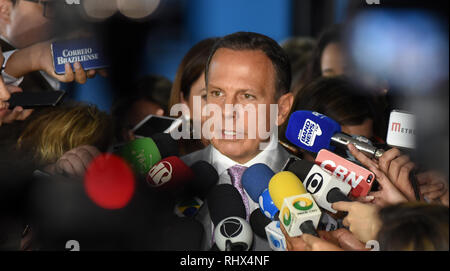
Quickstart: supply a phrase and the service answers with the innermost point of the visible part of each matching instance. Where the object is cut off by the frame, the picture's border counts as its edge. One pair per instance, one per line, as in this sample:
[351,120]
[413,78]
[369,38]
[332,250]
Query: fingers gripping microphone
[325,188]
[313,131]
[299,212]
[227,211]
[256,182]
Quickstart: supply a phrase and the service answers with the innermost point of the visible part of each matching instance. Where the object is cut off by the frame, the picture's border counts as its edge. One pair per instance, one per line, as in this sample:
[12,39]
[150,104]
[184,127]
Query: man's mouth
[232,135]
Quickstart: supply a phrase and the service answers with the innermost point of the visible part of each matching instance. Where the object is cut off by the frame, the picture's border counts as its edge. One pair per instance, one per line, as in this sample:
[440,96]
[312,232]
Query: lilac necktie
[235,173]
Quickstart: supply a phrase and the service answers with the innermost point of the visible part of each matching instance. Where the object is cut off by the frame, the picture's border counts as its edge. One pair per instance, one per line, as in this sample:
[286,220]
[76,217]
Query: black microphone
[205,179]
[259,221]
[167,146]
[227,211]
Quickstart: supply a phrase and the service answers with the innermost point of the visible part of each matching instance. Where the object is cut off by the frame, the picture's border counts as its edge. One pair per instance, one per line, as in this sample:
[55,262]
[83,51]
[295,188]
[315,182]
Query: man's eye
[216,93]
[249,96]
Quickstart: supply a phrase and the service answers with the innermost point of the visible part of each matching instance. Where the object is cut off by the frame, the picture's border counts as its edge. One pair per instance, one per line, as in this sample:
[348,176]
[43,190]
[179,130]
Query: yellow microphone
[299,212]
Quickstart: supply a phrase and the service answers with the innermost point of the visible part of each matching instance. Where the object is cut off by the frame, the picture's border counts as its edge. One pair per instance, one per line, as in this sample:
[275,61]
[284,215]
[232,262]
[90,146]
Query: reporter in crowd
[27,30]
[148,96]
[66,138]
[7,115]
[340,99]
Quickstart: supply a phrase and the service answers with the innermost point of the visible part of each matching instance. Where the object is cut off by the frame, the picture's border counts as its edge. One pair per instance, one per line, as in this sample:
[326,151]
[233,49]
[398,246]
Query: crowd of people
[47,153]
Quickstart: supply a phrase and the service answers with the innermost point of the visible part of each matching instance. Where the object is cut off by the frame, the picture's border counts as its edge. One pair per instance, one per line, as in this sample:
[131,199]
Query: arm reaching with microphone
[362,219]
[388,193]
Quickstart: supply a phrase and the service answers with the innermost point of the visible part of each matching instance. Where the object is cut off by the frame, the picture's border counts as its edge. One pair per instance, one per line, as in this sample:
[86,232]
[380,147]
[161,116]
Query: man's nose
[228,108]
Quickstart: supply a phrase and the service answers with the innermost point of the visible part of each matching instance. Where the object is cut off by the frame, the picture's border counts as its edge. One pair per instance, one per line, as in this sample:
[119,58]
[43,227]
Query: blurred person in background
[400,227]
[414,227]
[7,115]
[64,139]
[340,99]
[189,82]
[148,96]
[300,51]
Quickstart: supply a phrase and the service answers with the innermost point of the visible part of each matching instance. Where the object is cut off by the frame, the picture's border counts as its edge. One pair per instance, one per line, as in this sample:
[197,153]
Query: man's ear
[284,107]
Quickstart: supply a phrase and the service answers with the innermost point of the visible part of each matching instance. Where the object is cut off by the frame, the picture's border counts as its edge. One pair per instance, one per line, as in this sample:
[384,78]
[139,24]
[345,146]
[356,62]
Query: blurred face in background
[198,89]
[141,109]
[24,24]
[364,129]
[333,61]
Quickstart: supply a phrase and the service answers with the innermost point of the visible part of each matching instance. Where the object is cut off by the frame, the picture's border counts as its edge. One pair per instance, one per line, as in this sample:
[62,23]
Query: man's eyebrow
[212,86]
[328,70]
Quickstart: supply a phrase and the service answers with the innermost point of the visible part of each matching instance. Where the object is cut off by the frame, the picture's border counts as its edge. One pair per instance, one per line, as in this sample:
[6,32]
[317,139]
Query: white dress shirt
[222,163]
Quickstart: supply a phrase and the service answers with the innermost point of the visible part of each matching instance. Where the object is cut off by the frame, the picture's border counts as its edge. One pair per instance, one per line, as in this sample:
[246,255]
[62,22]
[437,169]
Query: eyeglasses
[49,7]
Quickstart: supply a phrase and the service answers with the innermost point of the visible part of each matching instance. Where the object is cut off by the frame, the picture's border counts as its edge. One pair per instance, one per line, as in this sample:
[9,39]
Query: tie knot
[236,173]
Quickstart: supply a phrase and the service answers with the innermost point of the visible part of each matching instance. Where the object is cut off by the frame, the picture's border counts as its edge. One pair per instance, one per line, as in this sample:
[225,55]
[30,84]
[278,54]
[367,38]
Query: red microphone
[360,179]
[169,173]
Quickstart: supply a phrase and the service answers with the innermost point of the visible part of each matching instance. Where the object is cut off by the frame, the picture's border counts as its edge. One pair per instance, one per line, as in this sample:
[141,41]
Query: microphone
[325,188]
[275,236]
[143,153]
[183,234]
[205,178]
[255,181]
[360,179]
[401,130]
[313,131]
[169,173]
[167,146]
[299,212]
[258,222]
[227,211]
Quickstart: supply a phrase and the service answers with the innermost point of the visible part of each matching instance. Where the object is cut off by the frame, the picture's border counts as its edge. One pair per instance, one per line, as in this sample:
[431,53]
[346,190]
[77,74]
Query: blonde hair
[55,131]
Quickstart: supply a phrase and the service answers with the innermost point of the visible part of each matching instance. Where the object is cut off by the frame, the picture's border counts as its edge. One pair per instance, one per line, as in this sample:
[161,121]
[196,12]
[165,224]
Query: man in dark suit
[247,69]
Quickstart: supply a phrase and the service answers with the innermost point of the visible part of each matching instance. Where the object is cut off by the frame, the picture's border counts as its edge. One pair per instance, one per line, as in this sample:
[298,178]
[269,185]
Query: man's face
[246,78]
[24,24]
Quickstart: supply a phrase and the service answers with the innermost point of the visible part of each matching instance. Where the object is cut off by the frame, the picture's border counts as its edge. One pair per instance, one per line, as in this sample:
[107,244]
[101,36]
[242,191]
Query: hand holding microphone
[307,242]
[388,193]
[362,219]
